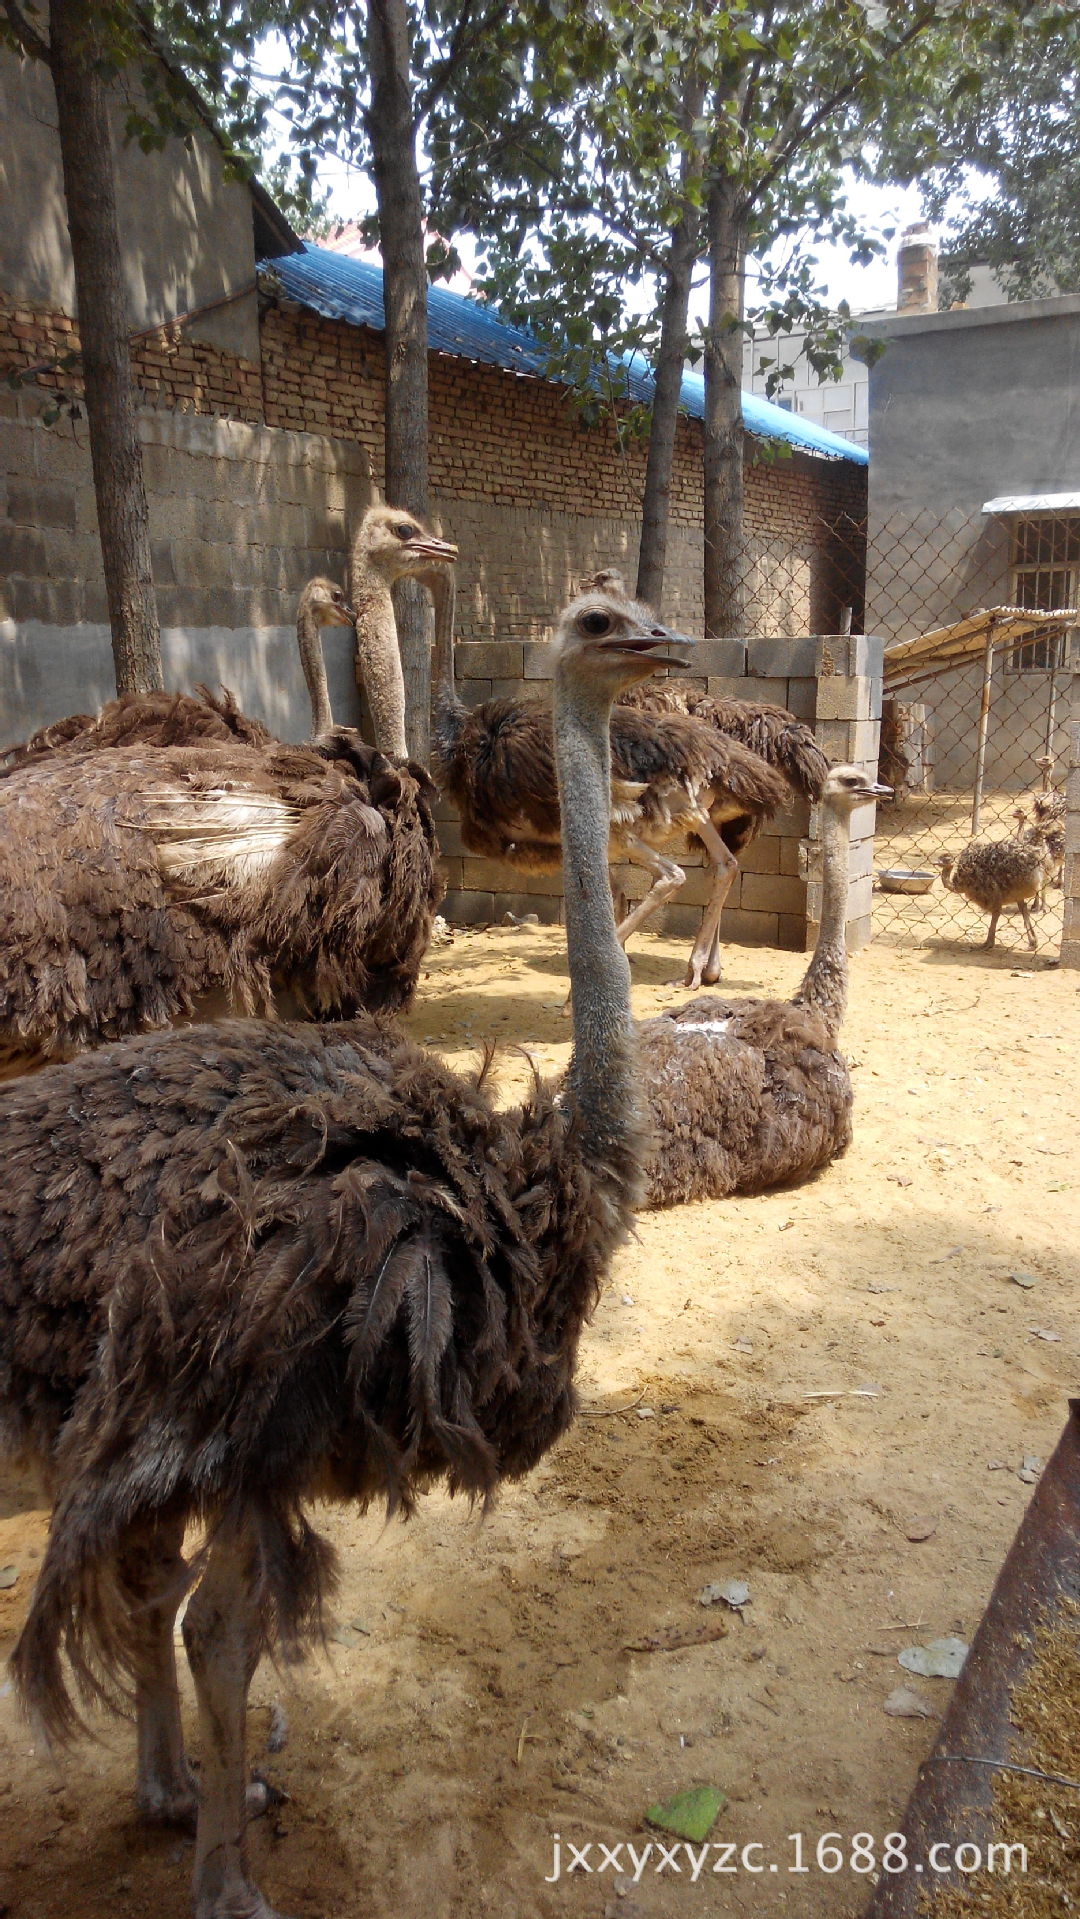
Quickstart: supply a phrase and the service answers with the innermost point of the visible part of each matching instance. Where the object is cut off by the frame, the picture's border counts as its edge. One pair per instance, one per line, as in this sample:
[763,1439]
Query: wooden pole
[984,728]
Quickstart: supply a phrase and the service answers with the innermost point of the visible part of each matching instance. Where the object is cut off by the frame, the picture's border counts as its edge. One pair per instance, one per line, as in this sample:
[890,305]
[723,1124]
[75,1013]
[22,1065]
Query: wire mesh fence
[982,634]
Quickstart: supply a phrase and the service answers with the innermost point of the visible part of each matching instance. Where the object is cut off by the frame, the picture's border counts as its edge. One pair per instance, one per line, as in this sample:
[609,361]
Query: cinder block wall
[835,683]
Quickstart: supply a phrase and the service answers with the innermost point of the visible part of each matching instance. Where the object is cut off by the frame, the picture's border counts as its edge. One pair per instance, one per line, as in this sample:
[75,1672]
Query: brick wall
[173,368]
[534,497]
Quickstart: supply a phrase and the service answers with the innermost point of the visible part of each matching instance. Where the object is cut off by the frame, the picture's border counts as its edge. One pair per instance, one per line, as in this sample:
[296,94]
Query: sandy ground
[825,1392]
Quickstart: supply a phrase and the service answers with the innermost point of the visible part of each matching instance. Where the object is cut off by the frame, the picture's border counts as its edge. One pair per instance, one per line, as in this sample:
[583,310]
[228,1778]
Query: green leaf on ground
[689,1814]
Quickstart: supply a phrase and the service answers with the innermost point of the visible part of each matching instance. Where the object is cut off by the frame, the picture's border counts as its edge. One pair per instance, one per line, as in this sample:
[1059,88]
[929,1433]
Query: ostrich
[671,776]
[747,1094]
[143,882]
[996,873]
[390,545]
[247,1266]
[183,719]
[770,731]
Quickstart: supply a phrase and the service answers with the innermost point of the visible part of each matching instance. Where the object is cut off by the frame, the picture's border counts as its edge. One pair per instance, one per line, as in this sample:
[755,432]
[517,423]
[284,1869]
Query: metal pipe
[984,728]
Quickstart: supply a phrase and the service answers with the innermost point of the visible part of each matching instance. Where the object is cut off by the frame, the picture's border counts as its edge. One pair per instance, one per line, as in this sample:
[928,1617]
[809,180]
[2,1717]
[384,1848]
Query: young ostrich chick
[996,873]
[748,1094]
[249,1265]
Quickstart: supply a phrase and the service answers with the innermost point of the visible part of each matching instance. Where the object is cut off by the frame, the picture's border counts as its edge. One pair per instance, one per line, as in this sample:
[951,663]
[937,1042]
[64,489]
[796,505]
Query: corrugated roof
[966,639]
[1032,503]
[344,289]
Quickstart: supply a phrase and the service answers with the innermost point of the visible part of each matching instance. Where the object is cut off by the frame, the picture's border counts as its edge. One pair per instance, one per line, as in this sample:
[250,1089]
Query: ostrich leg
[668,877]
[703,967]
[1031,939]
[988,943]
[152,1570]
[223,1635]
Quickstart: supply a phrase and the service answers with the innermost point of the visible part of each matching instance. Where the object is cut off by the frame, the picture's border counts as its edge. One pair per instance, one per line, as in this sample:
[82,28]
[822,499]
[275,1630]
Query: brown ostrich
[672,776]
[771,732]
[748,1094]
[996,873]
[247,1266]
[183,719]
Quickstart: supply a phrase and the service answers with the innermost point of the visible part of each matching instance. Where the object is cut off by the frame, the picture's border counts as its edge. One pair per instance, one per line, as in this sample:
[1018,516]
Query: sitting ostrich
[143,883]
[748,1094]
[247,1266]
[770,731]
[672,776]
[996,873]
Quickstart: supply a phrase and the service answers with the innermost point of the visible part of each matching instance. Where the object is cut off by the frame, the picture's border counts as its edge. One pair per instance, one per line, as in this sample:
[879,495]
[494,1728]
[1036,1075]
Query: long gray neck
[602,1079]
[824,986]
[447,710]
[313,661]
[379,659]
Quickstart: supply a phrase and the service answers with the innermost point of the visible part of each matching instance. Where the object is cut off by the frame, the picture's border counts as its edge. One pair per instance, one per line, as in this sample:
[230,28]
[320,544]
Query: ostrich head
[612,642]
[848,786]
[397,545]
[325,603]
[607,580]
[945,863]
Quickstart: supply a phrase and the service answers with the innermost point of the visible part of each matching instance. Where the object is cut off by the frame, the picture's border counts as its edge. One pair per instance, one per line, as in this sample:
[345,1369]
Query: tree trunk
[116,455]
[683,253]
[656,497]
[725,558]
[392,132]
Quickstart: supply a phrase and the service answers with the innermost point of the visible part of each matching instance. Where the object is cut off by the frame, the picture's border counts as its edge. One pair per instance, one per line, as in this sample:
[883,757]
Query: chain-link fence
[979,616]
[978,613]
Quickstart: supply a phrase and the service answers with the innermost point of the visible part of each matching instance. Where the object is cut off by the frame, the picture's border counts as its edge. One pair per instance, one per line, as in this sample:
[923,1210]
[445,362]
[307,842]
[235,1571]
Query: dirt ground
[827,1392]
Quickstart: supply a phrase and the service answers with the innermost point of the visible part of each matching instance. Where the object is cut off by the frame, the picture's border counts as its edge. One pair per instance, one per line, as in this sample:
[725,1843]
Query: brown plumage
[748,1094]
[997,873]
[143,881]
[244,1266]
[134,882]
[672,777]
[1048,830]
[770,731]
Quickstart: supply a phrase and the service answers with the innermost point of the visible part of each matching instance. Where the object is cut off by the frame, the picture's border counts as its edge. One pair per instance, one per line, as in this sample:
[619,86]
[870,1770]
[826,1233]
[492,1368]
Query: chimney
[916,271]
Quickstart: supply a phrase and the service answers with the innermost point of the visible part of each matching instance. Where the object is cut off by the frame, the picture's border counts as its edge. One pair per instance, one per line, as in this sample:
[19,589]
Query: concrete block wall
[240,516]
[776,896]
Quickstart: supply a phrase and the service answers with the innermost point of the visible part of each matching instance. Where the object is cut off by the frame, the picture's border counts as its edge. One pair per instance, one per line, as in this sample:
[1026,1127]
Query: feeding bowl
[902,879]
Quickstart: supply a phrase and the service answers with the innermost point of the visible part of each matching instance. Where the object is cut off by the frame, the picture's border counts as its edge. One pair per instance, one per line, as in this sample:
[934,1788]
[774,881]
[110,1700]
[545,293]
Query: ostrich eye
[404,531]
[595,623]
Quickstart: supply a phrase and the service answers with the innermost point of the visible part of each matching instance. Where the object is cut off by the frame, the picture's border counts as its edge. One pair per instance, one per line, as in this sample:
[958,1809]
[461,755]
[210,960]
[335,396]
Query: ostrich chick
[748,1094]
[996,873]
[247,1266]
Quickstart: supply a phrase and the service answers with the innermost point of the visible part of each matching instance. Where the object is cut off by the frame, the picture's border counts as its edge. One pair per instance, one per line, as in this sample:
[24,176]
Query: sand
[825,1392]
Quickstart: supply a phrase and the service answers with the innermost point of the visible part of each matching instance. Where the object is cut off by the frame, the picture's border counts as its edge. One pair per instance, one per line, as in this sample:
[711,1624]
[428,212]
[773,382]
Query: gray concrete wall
[964,407]
[240,517]
[187,231]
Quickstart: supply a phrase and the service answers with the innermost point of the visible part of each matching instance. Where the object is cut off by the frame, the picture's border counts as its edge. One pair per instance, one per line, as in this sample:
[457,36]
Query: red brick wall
[173,368]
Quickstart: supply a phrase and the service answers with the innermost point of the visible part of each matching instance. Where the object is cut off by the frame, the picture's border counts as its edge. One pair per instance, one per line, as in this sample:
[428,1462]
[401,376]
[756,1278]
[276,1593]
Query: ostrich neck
[602,1082]
[824,987]
[448,711]
[313,661]
[379,660]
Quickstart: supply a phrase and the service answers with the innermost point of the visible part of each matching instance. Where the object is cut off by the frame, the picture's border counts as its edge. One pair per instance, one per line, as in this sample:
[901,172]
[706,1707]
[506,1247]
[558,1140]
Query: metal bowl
[902,879]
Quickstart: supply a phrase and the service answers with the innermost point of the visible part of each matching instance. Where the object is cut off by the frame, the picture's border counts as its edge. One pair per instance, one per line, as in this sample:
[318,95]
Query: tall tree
[86,45]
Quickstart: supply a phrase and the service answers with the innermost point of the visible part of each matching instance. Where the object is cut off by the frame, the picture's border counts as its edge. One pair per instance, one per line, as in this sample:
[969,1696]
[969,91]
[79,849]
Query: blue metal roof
[341,288]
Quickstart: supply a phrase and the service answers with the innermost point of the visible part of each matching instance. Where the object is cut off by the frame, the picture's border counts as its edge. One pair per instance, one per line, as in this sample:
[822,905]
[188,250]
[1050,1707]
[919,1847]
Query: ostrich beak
[442,552]
[874,790]
[656,644]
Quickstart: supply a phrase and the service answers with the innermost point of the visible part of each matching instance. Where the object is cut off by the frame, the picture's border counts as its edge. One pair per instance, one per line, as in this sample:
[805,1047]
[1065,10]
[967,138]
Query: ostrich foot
[169,1802]
[176,1803]
[236,1899]
[699,973]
